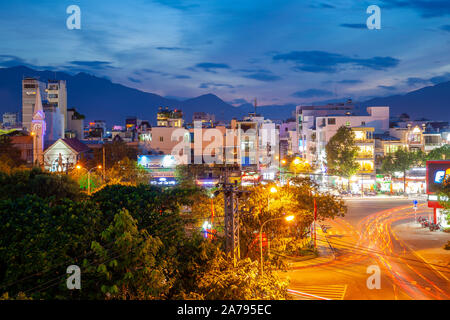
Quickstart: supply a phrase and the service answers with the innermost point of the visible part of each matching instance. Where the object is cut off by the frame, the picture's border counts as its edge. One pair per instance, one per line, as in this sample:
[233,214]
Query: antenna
[256,104]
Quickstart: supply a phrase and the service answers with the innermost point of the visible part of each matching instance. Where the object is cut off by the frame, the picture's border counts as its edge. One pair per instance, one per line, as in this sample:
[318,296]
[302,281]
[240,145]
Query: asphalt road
[366,240]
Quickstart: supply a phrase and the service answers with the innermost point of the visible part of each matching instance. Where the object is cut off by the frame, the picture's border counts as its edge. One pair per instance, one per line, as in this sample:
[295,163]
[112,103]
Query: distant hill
[100,99]
[431,102]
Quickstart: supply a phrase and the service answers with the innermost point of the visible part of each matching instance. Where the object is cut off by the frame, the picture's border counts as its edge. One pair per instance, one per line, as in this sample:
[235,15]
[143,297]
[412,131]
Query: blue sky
[278,51]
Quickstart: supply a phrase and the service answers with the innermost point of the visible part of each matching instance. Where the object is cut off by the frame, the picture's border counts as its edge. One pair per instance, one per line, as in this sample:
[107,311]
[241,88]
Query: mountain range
[100,99]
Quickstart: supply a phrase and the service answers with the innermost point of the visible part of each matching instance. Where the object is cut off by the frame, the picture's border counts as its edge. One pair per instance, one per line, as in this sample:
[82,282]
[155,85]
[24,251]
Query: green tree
[38,240]
[38,182]
[129,268]
[223,281]
[401,160]
[441,153]
[341,153]
[10,156]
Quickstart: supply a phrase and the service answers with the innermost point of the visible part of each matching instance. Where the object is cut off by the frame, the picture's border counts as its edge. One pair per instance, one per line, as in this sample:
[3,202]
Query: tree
[341,153]
[441,153]
[401,161]
[223,281]
[37,182]
[297,198]
[114,152]
[129,269]
[38,240]
[10,156]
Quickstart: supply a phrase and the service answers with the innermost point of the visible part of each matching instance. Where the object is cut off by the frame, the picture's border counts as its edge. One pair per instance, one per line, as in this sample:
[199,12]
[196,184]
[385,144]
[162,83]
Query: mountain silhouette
[101,99]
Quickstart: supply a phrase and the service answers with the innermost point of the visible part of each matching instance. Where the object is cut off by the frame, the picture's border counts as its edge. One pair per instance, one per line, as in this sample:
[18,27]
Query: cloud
[445,27]
[350,81]
[310,93]
[238,101]
[134,80]
[416,81]
[180,76]
[96,65]
[172,49]
[260,75]
[390,88]
[209,85]
[354,25]
[427,9]
[321,61]
[8,61]
[210,66]
[439,79]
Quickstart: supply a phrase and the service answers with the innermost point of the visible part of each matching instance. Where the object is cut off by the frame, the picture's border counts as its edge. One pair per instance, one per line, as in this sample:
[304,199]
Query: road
[369,237]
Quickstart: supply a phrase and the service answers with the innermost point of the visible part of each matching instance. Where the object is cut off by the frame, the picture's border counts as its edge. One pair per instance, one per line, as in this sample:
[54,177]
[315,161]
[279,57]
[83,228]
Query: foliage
[114,152]
[126,170]
[9,154]
[441,153]
[129,268]
[402,160]
[341,153]
[38,182]
[38,240]
[296,198]
[244,282]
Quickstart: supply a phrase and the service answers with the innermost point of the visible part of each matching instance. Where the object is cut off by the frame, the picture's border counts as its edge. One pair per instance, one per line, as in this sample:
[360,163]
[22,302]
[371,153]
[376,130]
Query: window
[161,139]
[363,123]
[331,121]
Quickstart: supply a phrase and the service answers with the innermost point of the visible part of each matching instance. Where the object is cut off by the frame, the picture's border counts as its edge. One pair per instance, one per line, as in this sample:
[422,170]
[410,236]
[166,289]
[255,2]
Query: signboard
[157,161]
[437,173]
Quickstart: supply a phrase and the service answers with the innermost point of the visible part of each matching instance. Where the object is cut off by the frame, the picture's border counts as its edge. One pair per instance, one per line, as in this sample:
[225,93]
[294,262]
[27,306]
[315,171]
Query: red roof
[76,144]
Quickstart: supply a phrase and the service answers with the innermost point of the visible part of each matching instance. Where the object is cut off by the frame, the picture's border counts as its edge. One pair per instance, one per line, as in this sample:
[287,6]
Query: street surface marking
[327,292]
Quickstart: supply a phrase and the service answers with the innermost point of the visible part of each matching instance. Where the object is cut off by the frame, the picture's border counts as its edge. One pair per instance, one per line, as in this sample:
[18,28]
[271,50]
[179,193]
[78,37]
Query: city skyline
[178,49]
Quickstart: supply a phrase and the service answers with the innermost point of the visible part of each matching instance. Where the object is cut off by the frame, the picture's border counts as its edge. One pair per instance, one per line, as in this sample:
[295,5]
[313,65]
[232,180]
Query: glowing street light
[273,190]
[288,218]
[79,167]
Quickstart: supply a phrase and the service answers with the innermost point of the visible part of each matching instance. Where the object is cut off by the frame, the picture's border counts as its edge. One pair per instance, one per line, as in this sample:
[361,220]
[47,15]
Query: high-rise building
[57,96]
[30,87]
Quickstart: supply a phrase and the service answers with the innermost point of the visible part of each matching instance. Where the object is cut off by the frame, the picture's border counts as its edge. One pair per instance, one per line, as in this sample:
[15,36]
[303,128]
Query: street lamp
[288,218]
[89,175]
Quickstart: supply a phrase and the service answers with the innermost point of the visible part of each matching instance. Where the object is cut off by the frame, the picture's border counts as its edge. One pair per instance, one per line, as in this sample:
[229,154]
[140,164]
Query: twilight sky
[278,51]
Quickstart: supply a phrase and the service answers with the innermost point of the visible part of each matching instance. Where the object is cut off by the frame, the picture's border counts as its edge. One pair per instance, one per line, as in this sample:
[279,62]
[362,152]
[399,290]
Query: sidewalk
[427,245]
[324,250]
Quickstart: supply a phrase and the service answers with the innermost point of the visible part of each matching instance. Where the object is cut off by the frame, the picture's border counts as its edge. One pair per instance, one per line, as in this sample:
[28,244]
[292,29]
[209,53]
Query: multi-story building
[57,96]
[420,135]
[30,87]
[169,118]
[376,120]
[96,130]
[75,124]
[365,142]
[204,118]
[10,120]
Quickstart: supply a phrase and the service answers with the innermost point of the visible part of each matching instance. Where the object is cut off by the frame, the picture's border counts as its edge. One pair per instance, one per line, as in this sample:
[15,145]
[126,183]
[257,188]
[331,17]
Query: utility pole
[104,167]
[231,218]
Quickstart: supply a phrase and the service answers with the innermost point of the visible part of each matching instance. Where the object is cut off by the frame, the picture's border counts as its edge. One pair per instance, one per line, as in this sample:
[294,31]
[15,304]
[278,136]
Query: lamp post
[288,218]
[89,175]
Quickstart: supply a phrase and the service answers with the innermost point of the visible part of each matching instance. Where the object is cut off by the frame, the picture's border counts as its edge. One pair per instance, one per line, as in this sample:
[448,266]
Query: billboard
[157,161]
[437,173]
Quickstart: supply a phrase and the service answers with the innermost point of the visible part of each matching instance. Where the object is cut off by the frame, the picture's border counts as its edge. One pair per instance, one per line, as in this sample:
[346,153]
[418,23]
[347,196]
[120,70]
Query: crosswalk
[325,292]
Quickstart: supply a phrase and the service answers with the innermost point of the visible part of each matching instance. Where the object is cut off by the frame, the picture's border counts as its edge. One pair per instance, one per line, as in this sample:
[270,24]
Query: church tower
[38,131]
